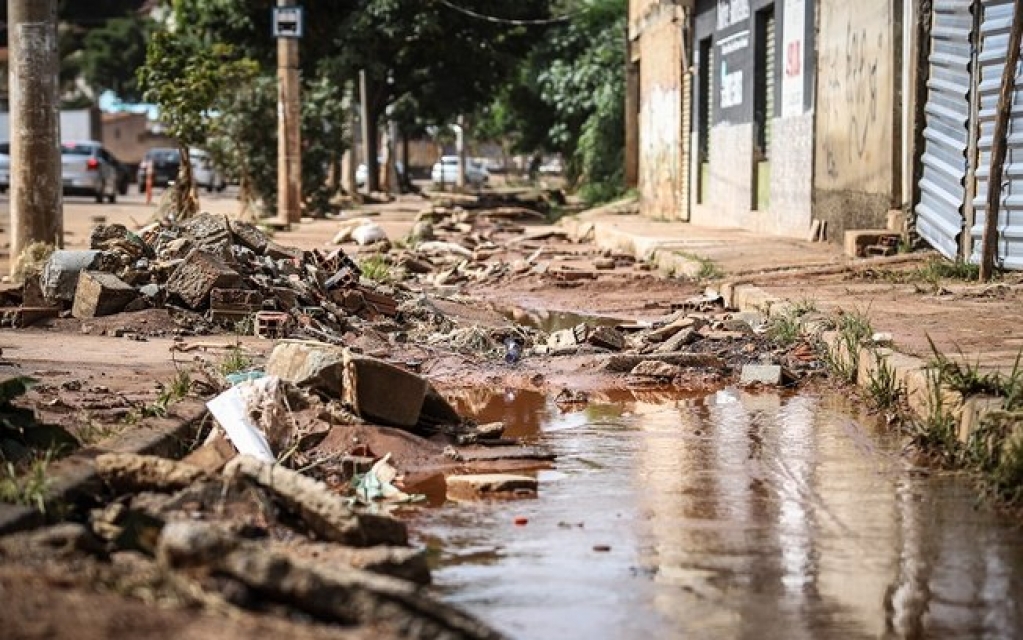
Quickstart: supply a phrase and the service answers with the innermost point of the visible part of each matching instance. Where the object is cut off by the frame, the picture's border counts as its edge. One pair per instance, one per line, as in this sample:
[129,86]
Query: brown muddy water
[734,515]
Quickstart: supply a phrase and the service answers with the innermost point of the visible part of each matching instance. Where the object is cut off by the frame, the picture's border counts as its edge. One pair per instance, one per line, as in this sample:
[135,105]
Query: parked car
[5,166]
[446,172]
[204,173]
[88,169]
[164,163]
[361,172]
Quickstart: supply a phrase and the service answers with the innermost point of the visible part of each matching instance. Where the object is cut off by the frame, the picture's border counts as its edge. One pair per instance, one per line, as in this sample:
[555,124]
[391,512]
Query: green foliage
[784,329]
[884,390]
[113,52]
[189,81]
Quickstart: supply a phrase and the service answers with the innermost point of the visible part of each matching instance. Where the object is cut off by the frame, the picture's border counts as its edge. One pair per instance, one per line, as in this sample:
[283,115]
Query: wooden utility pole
[36,190]
[288,29]
[989,246]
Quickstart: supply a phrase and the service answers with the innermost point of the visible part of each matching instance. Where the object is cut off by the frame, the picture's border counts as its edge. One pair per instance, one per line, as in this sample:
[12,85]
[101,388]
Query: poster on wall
[793,35]
[733,44]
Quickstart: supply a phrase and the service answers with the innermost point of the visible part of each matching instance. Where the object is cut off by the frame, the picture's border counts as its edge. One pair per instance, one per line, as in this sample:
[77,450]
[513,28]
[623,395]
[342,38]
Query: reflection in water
[749,515]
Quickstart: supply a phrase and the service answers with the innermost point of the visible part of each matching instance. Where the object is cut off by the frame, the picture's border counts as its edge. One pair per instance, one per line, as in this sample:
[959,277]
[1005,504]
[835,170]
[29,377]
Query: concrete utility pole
[36,191]
[989,247]
[289,137]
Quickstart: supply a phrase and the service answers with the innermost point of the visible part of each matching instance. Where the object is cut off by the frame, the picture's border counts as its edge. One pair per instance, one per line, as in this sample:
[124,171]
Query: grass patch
[27,485]
[843,358]
[784,329]
[376,268]
[884,391]
[234,361]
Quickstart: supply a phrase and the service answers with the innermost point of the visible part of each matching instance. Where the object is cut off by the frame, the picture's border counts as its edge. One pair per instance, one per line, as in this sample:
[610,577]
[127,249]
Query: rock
[382,393]
[606,338]
[60,273]
[369,233]
[766,374]
[624,362]
[200,273]
[422,231]
[397,562]
[437,410]
[324,511]
[130,473]
[604,264]
[490,485]
[189,544]
[562,339]
[655,369]
[490,430]
[100,294]
[277,251]
[308,364]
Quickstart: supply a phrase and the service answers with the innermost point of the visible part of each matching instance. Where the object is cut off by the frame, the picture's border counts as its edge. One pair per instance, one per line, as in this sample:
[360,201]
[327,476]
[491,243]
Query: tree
[188,82]
[113,52]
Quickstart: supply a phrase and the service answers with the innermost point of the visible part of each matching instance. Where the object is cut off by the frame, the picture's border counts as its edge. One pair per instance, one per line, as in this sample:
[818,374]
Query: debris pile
[207,268]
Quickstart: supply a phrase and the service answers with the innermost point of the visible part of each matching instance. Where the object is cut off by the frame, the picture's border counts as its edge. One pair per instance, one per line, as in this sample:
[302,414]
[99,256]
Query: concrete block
[100,294]
[209,232]
[60,273]
[606,338]
[382,393]
[680,339]
[897,221]
[249,235]
[280,252]
[767,374]
[490,485]
[308,364]
[199,274]
[858,240]
[231,305]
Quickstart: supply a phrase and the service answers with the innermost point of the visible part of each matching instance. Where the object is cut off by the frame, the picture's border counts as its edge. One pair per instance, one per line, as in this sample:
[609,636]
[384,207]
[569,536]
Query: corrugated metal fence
[943,208]
[940,212]
[994,43]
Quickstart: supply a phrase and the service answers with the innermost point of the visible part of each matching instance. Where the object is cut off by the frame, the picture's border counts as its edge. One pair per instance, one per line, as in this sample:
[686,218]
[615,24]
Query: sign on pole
[287,22]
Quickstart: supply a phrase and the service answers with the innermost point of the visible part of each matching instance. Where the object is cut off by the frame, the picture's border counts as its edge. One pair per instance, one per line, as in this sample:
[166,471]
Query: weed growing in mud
[234,361]
[91,431]
[937,269]
[784,330]
[968,379]
[245,326]
[28,487]
[937,430]
[375,268]
[708,270]
[802,307]
[996,451]
[884,391]
[843,357]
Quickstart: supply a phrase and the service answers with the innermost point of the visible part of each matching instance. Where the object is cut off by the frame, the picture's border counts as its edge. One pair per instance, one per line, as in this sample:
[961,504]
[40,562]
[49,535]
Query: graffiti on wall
[854,124]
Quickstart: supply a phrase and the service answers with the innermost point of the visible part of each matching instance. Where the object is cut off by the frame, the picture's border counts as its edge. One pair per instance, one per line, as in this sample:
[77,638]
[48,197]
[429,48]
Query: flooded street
[739,514]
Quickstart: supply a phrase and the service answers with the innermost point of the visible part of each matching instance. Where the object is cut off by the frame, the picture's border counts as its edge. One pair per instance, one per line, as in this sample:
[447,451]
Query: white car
[446,172]
[204,173]
[362,172]
[5,166]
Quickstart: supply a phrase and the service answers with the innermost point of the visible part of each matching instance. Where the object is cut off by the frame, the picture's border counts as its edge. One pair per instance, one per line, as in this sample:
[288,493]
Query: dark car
[164,162]
[123,175]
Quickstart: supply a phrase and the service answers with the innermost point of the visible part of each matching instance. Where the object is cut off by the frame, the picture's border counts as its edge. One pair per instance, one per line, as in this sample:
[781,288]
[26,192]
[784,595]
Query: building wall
[728,196]
[655,32]
[856,174]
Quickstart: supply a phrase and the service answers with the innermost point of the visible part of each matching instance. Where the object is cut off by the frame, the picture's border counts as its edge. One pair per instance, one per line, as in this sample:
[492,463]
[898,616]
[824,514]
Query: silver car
[5,166]
[88,169]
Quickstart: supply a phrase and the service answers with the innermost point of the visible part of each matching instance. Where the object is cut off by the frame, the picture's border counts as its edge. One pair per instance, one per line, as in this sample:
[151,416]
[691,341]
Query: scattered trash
[376,484]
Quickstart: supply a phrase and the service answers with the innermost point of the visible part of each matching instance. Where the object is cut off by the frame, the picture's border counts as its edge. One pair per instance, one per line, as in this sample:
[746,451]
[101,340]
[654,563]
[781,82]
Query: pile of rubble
[228,270]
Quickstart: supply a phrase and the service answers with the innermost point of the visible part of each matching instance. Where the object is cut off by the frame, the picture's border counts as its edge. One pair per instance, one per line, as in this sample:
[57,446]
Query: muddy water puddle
[731,515]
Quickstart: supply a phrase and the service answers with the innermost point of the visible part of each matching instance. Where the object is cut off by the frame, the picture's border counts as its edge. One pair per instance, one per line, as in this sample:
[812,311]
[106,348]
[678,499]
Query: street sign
[287,22]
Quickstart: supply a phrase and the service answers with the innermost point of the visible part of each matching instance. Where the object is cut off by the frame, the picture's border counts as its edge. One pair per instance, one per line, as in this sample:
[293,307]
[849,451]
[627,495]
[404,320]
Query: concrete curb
[908,371]
[74,477]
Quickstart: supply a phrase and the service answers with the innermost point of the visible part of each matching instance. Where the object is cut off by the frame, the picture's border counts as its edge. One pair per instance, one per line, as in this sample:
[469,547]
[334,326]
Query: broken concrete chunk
[606,338]
[190,544]
[490,485]
[437,410]
[100,294]
[681,338]
[200,273]
[323,511]
[128,472]
[766,374]
[312,365]
[624,362]
[209,232]
[277,251]
[655,369]
[382,393]
[249,235]
[562,339]
[60,274]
